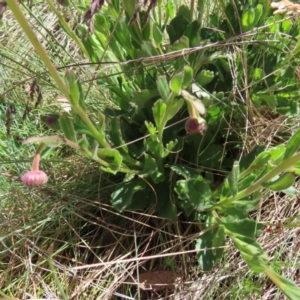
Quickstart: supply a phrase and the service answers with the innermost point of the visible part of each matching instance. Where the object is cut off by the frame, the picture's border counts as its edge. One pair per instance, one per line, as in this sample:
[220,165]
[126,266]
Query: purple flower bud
[63,2]
[193,125]
[35,178]
[51,119]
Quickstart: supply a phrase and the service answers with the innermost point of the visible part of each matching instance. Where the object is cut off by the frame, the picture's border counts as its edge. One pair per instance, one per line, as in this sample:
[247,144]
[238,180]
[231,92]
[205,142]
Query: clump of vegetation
[176,134]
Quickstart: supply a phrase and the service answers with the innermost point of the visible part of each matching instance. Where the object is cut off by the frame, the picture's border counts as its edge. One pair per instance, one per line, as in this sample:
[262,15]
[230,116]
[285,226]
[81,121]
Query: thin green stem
[15,8]
[90,155]
[248,171]
[67,28]
[258,184]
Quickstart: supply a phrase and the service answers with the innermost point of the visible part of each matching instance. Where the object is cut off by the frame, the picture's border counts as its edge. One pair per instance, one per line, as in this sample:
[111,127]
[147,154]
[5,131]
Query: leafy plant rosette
[165,129]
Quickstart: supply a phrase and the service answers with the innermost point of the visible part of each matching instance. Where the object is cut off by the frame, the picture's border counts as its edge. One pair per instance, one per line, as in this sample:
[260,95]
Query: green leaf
[251,251]
[146,27]
[141,98]
[101,23]
[291,191]
[84,143]
[157,33]
[233,178]
[186,206]
[112,154]
[219,238]
[151,129]
[173,108]
[245,227]
[185,11]
[155,146]
[261,160]
[292,146]
[150,165]
[205,77]
[159,175]
[247,205]
[159,110]
[67,127]
[187,77]
[176,28]
[192,33]
[213,114]
[180,189]
[169,147]
[73,86]
[196,191]
[129,7]
[290,289]
[122,35]
[248,159]
[116,136]
[81,96]
[176,82]
[170,10]
[277,153]
[122,197]
[101,124]
[270,100]
[233,214]
[248,20]
[181,43]
[186,171]
[168,210]
[283,182]
[258,11]
[255,263]
[258,74]
[286,25]
[147,49]
[287,108]
[163,87]
[207,257]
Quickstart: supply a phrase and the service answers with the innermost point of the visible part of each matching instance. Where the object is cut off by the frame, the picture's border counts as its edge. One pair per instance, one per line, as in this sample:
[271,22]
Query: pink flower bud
[193,125]
[35,178]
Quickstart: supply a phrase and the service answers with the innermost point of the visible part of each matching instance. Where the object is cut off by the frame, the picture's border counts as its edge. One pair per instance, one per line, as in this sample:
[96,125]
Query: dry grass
[107,252]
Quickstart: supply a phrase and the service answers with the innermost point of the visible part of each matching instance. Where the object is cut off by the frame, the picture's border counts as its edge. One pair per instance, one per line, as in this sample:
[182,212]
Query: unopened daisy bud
[35,178]
[193,125]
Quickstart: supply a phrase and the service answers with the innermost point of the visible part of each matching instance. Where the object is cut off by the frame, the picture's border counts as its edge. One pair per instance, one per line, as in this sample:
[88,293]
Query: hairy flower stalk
[35,177]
